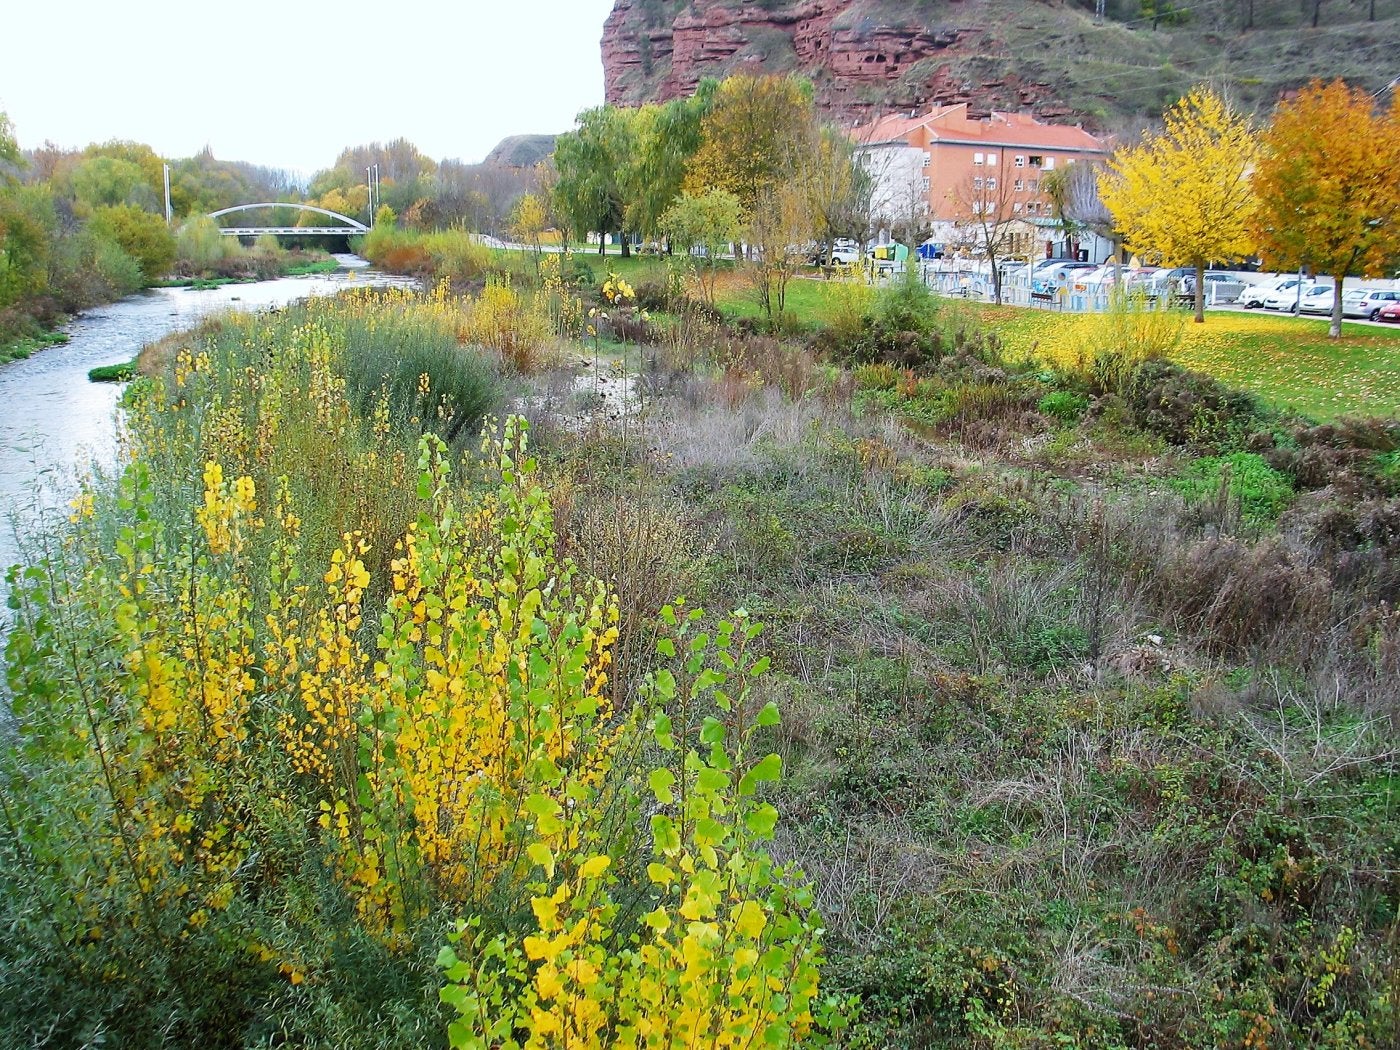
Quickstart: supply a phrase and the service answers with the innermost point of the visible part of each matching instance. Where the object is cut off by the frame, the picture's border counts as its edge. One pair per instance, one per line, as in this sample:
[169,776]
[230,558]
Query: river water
[54,423]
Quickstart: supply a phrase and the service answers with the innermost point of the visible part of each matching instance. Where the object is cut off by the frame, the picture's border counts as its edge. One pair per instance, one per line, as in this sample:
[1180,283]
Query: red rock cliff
[660,49]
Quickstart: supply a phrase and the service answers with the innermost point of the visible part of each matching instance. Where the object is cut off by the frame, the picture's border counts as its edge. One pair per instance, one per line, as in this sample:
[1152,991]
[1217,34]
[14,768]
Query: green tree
[143,236]
[666,138]
[593,161]
[1329,194]
[1184,195]
[27,228]
[105,182]
[9,147]
[712,221]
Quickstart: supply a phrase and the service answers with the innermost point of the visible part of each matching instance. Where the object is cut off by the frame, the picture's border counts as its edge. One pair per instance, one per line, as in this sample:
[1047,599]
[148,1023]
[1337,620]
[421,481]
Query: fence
[1017,289]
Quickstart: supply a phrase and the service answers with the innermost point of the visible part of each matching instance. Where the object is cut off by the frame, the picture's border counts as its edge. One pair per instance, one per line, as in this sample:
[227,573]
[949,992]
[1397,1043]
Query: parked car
[1254,295]
[1221,286]
[1390,313]
[1287,295]
[1367,302]
[1167,282]
[841,252]
[1318,299]
[1051,278]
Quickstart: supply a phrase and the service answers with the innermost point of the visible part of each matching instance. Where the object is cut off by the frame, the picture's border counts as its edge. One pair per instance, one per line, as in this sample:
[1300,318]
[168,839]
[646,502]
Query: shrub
[515,324]
[457,256]
[143,236]
[1064,405]
[1189,408]
[1244,478]
[1237,595]
[199,246]
[1110,347]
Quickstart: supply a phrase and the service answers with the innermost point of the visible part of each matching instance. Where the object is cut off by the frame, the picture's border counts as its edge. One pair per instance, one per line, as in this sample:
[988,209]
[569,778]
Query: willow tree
[1329,195]
[593,161]
[1184,195]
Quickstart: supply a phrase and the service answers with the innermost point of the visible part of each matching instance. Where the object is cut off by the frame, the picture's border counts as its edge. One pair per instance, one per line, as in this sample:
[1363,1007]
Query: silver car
[1368,302]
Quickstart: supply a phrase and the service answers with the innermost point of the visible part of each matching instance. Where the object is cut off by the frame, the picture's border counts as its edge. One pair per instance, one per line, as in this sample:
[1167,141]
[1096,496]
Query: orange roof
[951,124]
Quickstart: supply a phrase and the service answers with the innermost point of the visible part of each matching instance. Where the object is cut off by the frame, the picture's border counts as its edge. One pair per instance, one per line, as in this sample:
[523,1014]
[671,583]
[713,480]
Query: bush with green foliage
[141,234]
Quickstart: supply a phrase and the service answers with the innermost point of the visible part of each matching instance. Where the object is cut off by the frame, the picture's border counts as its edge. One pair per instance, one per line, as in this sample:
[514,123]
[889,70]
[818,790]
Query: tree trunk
[1334,328]
[1200,292]
[626,245]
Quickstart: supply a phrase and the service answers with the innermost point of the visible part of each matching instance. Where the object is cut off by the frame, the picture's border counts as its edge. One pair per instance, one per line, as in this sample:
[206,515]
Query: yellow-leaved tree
[1328,188]
[1184,195]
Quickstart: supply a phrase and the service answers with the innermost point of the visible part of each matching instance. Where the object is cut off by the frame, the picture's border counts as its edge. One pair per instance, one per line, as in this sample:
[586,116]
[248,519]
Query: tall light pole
[372,179]
[169,215]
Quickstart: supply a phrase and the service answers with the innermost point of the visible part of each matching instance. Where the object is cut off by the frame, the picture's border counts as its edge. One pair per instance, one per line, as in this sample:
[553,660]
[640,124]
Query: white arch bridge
[350,228]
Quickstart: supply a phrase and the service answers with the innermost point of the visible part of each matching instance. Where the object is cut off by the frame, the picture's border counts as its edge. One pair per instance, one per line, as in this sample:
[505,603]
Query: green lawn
[1288,361]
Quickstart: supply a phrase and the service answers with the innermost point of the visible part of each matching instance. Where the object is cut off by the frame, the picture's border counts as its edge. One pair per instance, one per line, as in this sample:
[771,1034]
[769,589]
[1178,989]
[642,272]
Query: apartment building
[955,167]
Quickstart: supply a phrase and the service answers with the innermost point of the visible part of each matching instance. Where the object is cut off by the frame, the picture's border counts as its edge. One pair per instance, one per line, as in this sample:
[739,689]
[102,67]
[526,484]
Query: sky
[289,83]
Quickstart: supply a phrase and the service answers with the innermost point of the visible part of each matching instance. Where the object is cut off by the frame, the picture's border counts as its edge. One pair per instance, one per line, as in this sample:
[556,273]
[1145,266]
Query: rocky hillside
[1053,57]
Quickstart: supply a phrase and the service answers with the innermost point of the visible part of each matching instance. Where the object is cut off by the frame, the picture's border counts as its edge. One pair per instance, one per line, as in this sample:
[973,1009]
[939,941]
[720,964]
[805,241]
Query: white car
[1318,299]
[1368,302]
[1255,294]
[1287,295]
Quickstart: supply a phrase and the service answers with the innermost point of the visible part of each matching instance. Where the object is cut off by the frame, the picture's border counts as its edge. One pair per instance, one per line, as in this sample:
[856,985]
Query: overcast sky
[289,83]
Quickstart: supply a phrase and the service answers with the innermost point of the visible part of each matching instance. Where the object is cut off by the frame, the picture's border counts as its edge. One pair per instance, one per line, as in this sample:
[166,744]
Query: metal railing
[1017,289]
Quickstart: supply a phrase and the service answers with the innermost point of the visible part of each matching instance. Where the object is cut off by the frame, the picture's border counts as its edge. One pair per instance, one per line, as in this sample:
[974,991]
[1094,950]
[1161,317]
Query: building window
[926,184]
[977,158]
[991,184]
[927,161]
[1034,186]
[977,182]
[1020,185]
[1032,207]
[1049,163]
[991,158]
[1020,161]
[1016,208]
[1036,160]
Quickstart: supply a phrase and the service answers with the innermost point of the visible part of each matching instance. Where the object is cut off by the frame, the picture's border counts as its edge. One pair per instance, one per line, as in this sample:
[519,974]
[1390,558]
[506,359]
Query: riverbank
[295,269]
[58,423]
[22,348]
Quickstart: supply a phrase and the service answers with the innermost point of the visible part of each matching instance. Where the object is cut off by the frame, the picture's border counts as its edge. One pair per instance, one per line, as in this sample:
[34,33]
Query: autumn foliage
[1183,196]
[1328,183]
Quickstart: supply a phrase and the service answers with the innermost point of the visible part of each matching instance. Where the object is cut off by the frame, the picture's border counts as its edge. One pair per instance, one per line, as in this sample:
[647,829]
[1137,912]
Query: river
[54,423]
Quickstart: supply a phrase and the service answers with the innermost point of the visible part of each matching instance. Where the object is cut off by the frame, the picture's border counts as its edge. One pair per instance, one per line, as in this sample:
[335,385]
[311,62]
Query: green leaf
[770,715]
[761,820]
[541,855]
[712,780]
[661,730]
[661,781]
[771,768]
[711,731]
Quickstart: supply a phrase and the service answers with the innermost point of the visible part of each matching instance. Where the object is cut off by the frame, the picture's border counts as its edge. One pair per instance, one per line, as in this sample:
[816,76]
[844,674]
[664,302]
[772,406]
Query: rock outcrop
[1053,58]
[655,50]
